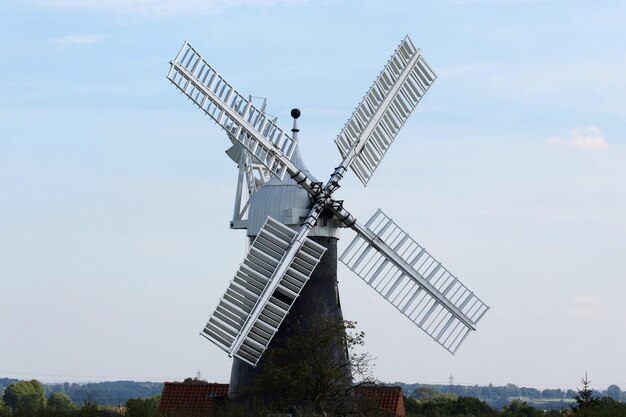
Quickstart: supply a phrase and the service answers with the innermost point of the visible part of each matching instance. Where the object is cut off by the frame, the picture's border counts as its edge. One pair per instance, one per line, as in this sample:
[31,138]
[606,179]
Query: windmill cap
[282,200]
[295,113]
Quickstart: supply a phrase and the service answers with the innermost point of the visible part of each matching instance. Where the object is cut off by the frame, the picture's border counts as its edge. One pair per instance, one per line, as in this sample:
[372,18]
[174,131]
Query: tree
[530,392]
[195,380]
[513,390]
[519,408]
[439,405]
[308,370]
[58,402]
[111,393]
[89,407]
[448,405]
[603,407]
[469,406]
[4,410]
[552,393]
[487,392]
[143,407]
[25,397]
[411,405]
[614,392]
[424,392]
[584,397]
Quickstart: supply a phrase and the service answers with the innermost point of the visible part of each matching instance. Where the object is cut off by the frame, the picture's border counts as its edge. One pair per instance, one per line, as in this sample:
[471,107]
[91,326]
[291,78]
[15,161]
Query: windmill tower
[289,203]
[293,219]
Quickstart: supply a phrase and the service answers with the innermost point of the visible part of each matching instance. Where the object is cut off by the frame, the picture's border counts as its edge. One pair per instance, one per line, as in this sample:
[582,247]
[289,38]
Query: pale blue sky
[115,194]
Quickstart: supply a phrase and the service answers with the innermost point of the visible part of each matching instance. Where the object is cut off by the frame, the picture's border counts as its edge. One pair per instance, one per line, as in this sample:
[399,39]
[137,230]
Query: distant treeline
[103,393]
[27,399]
[118,392]
[499,396]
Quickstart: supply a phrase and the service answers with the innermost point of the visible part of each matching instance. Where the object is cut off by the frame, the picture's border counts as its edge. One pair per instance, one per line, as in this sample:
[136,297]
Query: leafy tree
[552,393]
[519,408]
[448,405]
[614,392]
[500,402]
[89,408]
[487,392]
[500,392]
[58,402]
[439,405]
[143,407]
[530,392]
[4,410]
[195,380]
[411,405]
[473,391]
[25,397]
[308,370]
[424,392]
[603,407]
[468,406]
[584,397]
[513,390]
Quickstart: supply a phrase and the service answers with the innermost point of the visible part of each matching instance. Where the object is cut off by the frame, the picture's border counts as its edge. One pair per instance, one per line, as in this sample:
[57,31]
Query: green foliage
[424,392]
[530,392]
[411,406]
[552,393]
[584,397]
[5,382]
[106,393]
[614,392]
[58,402]
[602,407]
[25,398]
[195,380]
[448,405]
[142,407]
[4,410]
[469,406]
[309,371]
[89,408]
[519,408]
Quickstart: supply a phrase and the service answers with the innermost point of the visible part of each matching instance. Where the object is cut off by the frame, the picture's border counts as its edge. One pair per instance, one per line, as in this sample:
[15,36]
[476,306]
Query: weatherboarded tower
[290,204]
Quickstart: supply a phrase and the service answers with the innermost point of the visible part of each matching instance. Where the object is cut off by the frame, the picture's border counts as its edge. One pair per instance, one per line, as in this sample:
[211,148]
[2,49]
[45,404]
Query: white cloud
[584,306]
[76,40]
[589,138]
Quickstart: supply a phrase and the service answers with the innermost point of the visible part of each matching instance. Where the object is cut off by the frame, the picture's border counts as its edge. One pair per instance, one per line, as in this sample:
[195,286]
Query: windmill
[293,219]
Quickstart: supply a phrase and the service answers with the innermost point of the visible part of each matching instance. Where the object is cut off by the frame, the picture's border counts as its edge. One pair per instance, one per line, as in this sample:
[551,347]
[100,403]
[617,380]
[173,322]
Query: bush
[58,402]
[143,407]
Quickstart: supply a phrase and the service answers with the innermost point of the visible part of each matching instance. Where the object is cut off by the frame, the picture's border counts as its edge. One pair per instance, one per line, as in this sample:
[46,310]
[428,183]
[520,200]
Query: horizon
[442,383]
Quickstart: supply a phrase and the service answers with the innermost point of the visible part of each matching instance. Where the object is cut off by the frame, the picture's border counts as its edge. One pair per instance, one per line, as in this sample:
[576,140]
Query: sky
[115,192]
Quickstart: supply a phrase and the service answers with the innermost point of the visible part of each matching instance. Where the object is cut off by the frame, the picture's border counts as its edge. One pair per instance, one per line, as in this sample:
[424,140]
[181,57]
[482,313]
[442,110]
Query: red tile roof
[180,398]
[387,398]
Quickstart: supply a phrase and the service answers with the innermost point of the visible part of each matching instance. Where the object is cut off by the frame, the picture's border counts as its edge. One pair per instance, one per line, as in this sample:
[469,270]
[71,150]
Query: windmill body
[293,219]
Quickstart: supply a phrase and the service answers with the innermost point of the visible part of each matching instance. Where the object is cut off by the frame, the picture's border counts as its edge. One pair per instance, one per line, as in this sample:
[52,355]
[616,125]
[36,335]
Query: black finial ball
[295,113]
